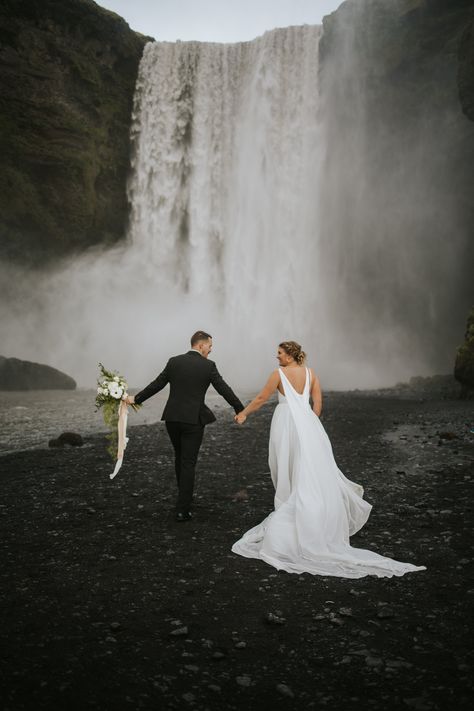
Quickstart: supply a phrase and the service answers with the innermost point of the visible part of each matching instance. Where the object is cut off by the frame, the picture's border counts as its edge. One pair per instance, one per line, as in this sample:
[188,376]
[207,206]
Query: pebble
[243,680]
[385,613]
[180,632]
[419,703]
[272,619]
[398,664]
[373,661]
[285,690]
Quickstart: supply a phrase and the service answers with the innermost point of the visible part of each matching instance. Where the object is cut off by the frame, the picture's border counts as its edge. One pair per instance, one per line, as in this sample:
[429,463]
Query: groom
[185,413]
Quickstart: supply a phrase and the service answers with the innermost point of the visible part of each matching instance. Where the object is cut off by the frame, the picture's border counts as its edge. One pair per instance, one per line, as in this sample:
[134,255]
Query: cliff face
[397,81]
[466,70]
[18,374]
[67,78]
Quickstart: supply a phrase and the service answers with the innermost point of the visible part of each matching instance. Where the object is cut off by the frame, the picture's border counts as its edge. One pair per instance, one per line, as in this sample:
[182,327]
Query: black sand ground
[110,604]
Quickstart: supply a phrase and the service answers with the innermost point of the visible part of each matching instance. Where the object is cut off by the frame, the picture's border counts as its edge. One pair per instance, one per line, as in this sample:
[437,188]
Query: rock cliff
[67,77]
[397,81]
[18,374]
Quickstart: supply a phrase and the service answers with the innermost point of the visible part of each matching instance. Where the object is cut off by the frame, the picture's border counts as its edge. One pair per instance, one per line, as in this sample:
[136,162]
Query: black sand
[110,604]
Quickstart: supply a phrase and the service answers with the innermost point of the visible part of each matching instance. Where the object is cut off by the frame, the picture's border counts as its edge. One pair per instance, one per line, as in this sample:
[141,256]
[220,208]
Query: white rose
[115,390]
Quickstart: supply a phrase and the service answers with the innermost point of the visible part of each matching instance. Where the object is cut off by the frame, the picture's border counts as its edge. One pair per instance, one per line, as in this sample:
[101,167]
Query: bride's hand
[240,418]
[130,399]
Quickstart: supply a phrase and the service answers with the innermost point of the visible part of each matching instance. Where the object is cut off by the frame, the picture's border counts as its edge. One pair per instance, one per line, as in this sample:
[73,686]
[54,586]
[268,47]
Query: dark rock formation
[466,71]
[464,365]
[18,374]
[397,79]
[67,78]
[71,438]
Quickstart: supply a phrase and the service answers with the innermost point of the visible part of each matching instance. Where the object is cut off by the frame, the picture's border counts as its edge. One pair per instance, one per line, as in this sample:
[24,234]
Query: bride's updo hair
[294,350]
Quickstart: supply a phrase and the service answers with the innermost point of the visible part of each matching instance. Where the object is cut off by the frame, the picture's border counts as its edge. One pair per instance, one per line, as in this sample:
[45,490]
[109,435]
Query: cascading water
[225,182]
[267,203]
[223,228]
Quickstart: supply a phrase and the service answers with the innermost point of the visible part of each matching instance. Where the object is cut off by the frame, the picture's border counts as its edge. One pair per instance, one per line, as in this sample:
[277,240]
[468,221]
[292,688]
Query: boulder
[18,374]
[71,438]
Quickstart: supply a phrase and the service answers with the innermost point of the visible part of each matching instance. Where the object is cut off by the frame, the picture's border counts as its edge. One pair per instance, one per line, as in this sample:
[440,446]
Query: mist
[396,212]
[270,199]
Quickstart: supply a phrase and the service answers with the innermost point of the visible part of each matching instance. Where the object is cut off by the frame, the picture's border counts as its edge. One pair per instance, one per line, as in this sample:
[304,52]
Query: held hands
[240,418]
[130,399]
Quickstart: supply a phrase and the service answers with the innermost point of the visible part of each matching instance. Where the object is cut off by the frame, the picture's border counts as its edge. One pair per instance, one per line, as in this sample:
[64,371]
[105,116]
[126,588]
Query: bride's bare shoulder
[274,378]
[271,384]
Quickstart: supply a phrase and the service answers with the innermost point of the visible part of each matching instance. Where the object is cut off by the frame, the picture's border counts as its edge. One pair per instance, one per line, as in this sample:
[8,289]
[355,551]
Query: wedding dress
[317,508]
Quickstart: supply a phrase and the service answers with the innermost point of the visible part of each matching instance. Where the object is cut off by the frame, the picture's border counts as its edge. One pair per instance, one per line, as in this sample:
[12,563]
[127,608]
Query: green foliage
[111,387]
[65,108]
[110,415]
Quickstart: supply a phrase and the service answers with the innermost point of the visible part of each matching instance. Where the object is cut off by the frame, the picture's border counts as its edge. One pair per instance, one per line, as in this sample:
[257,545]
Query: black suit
[186,414]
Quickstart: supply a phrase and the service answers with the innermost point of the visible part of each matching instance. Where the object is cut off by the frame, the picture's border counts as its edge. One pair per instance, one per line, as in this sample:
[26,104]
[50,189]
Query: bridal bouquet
[111,394]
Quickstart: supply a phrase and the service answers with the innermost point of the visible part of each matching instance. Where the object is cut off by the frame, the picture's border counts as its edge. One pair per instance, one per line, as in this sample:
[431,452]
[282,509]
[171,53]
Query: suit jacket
[189,376]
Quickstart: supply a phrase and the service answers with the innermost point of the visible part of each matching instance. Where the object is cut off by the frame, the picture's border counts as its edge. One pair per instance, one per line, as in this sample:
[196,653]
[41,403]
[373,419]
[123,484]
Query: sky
[217,20]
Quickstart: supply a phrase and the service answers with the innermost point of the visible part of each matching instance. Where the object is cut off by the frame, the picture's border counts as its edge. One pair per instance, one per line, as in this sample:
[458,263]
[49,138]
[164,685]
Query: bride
[316,507]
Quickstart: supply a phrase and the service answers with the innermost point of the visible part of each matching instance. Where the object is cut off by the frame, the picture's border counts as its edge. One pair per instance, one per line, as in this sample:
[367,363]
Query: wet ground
[108,603]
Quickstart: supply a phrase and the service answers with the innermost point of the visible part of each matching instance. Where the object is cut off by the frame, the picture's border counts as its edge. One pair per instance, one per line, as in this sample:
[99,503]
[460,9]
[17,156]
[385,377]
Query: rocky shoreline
[111,604]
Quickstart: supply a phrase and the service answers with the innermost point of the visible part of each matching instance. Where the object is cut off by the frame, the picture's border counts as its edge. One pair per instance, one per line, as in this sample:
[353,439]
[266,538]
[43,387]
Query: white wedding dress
[316,507]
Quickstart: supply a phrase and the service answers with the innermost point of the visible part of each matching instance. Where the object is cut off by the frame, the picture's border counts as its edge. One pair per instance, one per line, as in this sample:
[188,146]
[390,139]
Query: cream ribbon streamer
[122,436]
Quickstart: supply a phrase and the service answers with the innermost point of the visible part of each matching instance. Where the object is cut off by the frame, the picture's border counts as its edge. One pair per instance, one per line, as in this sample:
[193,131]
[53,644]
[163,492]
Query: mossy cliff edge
[67,75]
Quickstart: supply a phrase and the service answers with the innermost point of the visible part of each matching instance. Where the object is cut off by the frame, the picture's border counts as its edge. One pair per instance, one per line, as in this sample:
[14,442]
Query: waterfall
[269,200]
[225,182]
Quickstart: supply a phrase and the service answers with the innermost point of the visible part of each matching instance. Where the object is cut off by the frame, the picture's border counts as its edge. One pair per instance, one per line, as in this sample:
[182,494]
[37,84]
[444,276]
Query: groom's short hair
[199,336]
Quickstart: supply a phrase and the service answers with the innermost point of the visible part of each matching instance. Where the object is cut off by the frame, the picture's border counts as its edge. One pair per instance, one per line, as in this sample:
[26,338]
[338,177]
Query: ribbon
[122,436]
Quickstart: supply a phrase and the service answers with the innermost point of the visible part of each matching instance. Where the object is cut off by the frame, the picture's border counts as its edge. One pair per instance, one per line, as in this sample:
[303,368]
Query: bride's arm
[262,397]
[316,394]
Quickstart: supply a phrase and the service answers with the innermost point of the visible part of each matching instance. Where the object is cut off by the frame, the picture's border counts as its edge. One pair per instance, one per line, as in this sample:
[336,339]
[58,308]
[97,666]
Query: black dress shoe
[186,516]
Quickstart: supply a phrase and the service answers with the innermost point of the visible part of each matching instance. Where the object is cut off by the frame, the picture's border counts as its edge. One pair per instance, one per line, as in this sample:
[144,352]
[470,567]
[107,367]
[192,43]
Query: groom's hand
[130,399]
[240,418]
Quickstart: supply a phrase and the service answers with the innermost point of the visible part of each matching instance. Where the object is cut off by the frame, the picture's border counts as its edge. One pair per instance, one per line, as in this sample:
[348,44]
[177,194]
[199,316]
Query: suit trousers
[186,440]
